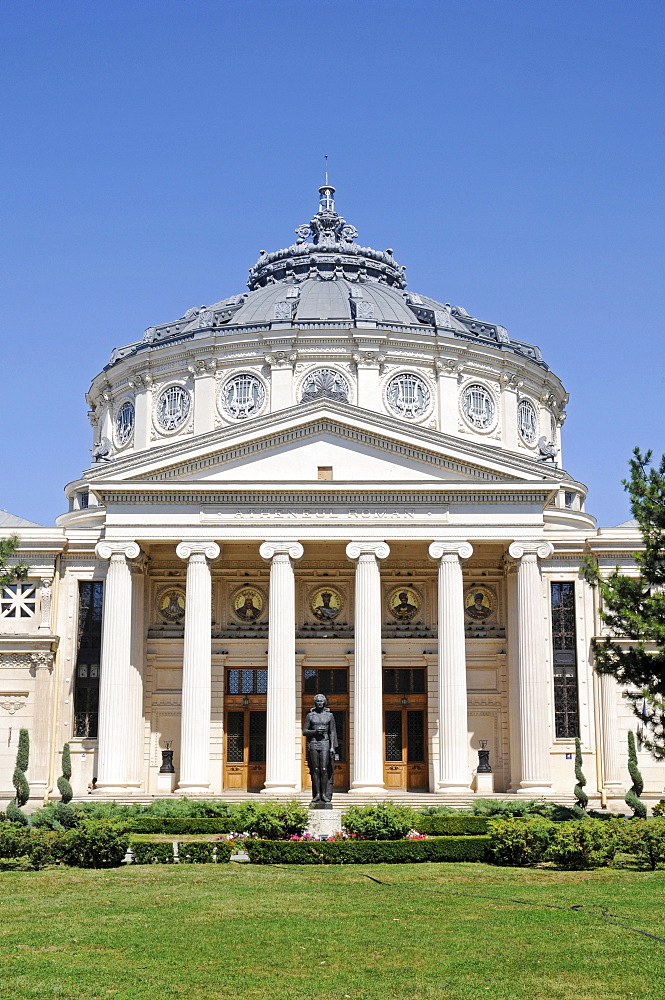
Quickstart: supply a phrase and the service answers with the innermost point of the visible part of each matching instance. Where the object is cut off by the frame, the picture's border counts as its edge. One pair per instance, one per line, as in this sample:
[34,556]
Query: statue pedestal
[483,783]
[165,782]
[324,822]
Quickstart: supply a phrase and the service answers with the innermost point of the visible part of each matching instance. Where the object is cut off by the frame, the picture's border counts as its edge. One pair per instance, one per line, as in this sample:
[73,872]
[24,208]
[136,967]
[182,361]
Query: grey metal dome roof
[325,277]
[315,299]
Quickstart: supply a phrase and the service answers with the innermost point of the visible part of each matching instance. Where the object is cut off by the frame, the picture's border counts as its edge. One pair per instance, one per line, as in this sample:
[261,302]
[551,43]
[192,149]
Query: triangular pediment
[291,446]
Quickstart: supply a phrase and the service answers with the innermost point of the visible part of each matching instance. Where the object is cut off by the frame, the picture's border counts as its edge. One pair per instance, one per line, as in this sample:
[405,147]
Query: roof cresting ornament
[326,250]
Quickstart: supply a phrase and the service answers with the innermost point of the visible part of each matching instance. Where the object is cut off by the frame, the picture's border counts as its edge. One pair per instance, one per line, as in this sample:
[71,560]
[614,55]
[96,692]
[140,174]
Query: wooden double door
[245,730]
[405,764]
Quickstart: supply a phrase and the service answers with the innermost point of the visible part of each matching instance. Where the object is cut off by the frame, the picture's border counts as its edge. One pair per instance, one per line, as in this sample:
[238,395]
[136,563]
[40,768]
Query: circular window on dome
[173,407]
[478,406]
[124,423]
[408,395]
[324,383]
[527,421]
[242,396]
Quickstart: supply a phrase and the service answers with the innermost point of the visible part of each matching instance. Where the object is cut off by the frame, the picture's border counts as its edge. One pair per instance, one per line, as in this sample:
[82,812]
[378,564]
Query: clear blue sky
[510,152]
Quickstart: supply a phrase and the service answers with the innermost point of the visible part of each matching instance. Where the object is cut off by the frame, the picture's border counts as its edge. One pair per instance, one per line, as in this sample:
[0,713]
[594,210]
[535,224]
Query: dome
[326,277]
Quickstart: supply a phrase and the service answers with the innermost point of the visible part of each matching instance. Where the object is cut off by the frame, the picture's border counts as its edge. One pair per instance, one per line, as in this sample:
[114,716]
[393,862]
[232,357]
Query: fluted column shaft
[281,777]
[368,703]
[196,668]
[115,724]
[533,675]
[454,776]
[610,730]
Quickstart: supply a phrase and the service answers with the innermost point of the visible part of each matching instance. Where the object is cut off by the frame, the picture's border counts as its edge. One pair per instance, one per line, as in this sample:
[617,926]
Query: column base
[534,789]
[364,788]
[115,788]
[186,789]
[278,789]
[450,789]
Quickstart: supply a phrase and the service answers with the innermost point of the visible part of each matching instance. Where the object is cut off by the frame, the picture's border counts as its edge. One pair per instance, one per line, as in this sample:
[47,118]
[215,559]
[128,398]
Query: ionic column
[137,658]
[454,776]
[532,669]
[368,705]
[115,724]
[196,668]
[281,776]
[610,729]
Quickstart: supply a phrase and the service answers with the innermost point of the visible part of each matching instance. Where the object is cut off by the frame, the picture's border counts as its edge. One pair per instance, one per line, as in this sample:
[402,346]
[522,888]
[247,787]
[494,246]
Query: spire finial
[326,194]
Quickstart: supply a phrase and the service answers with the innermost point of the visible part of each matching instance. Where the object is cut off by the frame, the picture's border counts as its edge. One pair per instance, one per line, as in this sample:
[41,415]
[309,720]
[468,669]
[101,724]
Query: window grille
[89,645]
[18,600]
[250,681]
[415,736]
[334,681]
[404,680]
[393,735]
[235,737]
[527,421]
[173,407]
[257,737]
[124,423]
[566,702]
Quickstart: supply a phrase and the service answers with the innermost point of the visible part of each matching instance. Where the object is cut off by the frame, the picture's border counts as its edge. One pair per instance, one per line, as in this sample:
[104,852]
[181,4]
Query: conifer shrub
[64,787]
[659,808]
[632,796]
[644,839]
[19,780]
[578,845]
[578,790]
[520,842]
[385,821]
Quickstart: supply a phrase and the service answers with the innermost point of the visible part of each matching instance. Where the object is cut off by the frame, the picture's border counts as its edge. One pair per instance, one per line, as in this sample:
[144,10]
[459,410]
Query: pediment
[291,445]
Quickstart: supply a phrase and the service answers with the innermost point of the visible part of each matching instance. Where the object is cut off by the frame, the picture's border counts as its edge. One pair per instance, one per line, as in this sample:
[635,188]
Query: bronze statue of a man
[322,751]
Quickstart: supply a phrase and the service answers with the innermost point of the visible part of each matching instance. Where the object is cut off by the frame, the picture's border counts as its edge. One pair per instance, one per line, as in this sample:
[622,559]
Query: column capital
[538,547]
[127,548]
[455,546]
[209,549]
[293,550]
[381,550]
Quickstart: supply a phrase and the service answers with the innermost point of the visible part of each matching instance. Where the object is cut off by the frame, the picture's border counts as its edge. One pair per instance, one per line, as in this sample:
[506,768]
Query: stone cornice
[401,493]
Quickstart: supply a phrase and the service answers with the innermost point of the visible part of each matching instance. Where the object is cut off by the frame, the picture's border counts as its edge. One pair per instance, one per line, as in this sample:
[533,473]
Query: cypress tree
[580,794]
[632,796]
[19,780]
[64,786]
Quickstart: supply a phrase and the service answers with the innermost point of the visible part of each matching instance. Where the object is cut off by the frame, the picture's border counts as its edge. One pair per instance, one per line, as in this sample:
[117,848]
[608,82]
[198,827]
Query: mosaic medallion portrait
[171,604]
[479,604]
[404,603]
[248,604]
[325,603]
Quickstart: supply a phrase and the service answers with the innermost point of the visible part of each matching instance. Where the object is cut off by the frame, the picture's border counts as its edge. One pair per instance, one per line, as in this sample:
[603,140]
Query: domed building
[331,484]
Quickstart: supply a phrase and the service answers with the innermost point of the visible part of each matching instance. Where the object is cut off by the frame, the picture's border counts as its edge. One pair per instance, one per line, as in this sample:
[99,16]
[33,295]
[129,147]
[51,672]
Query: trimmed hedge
[362,852]
[451,826]
[176,824]
[152,854]
[189,852]
[98,846]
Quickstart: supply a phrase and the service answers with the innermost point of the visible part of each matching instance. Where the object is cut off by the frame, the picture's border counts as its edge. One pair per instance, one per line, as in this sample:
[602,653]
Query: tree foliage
[19,570]
[633,607]
[19,780]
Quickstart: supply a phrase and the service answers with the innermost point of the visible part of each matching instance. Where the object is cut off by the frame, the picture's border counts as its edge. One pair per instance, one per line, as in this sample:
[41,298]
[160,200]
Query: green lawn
[208,932]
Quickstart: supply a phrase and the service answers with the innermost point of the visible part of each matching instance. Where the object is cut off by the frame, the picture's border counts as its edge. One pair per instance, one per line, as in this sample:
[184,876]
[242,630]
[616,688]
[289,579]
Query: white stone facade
[325,482]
